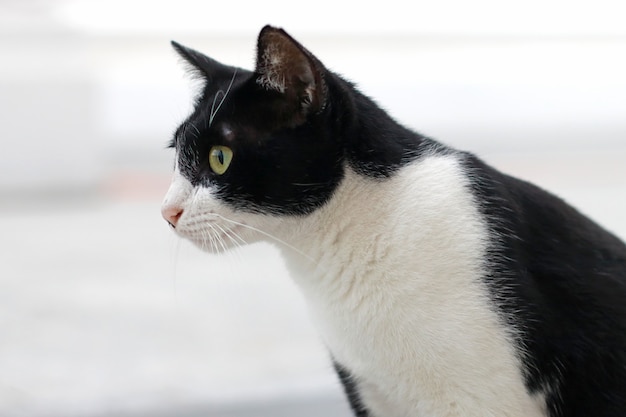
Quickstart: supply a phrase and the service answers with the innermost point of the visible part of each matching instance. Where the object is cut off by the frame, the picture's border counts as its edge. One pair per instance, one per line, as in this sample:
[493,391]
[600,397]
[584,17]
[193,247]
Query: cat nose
[171,214]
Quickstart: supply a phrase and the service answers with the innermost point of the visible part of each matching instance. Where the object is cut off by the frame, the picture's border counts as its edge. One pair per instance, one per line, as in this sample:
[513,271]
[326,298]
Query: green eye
[220,158]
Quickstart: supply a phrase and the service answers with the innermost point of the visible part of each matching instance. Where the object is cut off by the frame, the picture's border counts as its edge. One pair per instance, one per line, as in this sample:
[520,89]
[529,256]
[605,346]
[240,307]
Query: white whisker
[197,134]
[218,238]
[239,243]
[208,240]
[274,238]
[214,109]
[236,244]
[175,256]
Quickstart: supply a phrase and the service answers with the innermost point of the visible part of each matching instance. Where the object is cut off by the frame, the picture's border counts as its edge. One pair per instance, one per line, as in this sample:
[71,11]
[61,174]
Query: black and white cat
[440,286]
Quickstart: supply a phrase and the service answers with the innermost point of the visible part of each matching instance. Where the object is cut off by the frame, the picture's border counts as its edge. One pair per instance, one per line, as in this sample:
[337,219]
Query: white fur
[178,195]
[271,68]
[210,224]
[391,270]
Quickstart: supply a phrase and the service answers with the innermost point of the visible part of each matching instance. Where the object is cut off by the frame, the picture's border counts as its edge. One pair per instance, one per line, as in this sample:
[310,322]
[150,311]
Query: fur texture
[440,286]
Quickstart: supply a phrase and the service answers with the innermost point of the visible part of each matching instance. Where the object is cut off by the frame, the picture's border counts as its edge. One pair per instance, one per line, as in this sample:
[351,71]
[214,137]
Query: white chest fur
[397,293]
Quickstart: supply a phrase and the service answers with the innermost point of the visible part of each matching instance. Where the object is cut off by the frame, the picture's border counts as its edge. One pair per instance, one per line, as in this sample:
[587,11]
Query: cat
[440,286]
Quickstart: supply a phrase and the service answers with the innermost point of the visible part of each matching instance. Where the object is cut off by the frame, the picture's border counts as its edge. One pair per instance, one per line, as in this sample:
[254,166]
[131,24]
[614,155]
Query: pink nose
[171,214]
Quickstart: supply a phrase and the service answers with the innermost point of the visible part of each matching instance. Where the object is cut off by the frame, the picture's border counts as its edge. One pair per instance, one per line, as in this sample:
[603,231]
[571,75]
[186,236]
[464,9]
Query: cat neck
[375,143]
[364,231]
[326,248]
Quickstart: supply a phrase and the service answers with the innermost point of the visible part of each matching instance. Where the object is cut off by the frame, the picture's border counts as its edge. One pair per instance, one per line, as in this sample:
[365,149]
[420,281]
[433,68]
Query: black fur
[352,391]
[280,166]
[561,281]
[558,279]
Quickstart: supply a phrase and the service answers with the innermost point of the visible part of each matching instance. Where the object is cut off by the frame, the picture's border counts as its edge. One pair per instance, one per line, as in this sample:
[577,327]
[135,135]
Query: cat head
[259,145]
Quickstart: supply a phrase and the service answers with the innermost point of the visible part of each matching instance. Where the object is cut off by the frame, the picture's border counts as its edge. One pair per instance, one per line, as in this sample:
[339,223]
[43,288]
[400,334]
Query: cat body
[410,317]
[440,286]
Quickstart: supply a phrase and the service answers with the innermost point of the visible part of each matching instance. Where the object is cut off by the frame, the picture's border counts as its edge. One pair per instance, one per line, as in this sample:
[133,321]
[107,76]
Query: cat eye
[220,158]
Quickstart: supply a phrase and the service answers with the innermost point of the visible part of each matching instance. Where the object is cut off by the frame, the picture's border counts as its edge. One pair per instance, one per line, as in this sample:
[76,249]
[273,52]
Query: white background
[104,312]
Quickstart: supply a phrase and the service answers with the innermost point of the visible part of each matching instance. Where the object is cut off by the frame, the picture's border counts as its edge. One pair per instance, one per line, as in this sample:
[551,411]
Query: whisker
[226,234]
[208,240]
[242,241]
[214,109]
[282,242]
[197,135]
[212,239]
[175,257]
[236,250]
[217,236]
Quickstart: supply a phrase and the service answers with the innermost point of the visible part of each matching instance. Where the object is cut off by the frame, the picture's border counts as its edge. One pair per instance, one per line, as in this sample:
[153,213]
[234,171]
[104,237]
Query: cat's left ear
[285,66]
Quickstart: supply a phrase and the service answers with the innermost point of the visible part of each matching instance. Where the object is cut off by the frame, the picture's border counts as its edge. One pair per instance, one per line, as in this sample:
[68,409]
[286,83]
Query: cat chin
[215,239]
[211,248]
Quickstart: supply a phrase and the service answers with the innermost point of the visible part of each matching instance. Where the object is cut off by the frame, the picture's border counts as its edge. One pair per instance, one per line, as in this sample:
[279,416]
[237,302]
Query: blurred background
[103,312]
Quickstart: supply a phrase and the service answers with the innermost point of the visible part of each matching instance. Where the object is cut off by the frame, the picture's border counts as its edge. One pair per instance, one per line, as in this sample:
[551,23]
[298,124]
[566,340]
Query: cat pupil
[220,156]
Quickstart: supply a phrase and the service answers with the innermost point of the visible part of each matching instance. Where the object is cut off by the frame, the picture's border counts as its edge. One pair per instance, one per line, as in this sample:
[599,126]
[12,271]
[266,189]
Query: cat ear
[199,64]
[285,66]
